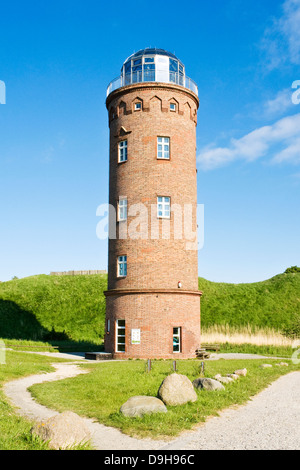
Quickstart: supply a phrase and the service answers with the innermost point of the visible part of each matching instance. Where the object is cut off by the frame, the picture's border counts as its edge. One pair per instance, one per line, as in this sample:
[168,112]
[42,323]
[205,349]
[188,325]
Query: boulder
[233,376]
[265,366]
[224,380]
[139,406]
[177,389]
[208,384]
[63,431]
[285,364]
[242,372]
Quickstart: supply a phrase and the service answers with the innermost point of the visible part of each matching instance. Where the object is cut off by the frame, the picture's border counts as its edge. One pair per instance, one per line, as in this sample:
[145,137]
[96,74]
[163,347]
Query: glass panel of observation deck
[181,75]
[173,68]
[149,69]
[127,70]
[137,71]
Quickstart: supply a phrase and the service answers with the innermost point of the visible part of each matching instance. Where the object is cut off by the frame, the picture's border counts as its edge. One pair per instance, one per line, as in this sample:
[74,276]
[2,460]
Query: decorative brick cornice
[150,86]
[118,292]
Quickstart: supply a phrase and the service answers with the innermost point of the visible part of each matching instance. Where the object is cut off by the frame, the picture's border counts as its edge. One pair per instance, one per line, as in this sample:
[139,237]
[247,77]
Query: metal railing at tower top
[152,76]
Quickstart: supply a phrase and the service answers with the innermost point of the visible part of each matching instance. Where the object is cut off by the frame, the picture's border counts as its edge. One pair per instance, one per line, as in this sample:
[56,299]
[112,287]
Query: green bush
[292,330]
[292,270]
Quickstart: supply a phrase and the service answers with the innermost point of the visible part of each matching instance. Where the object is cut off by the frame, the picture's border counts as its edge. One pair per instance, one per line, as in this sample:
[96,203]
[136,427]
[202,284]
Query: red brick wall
[154,263]
[155,314]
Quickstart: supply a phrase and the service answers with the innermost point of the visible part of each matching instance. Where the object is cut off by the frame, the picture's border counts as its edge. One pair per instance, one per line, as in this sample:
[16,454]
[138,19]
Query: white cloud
[278,105]
[291,153]
[281,41]
[289,25]
[281,140]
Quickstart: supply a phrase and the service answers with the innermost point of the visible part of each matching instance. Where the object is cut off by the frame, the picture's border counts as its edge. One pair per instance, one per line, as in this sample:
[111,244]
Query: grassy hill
[51,308]
[272,303]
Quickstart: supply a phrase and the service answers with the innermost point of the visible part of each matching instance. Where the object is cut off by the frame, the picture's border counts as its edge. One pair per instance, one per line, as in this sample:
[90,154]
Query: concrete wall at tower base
[152,316]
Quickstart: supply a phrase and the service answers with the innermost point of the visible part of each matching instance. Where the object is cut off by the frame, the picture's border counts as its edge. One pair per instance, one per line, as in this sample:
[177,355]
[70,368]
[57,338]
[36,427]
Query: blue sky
[57,58]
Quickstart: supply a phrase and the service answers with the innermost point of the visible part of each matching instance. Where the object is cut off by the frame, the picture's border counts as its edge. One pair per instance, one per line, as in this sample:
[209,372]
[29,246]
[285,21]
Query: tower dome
[152,65]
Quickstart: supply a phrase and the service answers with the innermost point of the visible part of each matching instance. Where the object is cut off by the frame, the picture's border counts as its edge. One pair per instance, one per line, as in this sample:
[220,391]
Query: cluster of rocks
[281,364]
[175,390]
[67,429]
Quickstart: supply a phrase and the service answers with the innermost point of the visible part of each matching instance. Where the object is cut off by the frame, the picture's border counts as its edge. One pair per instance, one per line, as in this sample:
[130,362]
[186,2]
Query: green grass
[54,309]
[14,430]
[101,393]
[276,351]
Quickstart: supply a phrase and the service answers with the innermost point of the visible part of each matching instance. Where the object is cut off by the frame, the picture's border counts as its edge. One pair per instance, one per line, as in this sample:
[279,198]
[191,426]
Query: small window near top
[172,107]
[123,151]
[138,106]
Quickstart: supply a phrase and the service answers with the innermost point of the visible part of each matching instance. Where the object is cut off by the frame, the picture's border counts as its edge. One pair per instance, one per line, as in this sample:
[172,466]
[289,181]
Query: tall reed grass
[221,334]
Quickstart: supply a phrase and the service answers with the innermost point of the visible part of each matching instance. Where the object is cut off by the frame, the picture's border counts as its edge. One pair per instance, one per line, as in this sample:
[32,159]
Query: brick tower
[152,301]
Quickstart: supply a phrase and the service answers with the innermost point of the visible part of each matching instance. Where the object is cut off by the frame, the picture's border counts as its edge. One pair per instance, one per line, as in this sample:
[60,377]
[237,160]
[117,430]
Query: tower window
[172,107]
[123,151]
[163,148]
[122,209]
[163,207]
[138,106]
[120,335]
[122,266]
[176,340]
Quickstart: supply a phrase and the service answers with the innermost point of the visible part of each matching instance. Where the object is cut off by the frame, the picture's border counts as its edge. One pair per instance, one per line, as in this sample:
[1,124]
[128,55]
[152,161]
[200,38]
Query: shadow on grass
[20,328]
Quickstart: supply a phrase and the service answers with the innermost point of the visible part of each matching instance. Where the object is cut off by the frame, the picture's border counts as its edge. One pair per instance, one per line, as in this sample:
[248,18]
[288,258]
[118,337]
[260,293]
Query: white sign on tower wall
[135,336]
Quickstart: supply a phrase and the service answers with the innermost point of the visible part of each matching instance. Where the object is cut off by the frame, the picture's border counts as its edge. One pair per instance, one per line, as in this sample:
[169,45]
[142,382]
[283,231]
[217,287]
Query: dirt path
[270,421]
[103,437]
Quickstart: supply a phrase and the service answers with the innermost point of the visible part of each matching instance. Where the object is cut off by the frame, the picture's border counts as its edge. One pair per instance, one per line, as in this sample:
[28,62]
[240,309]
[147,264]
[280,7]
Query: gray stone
[233,376]
[242,372]
[63,431]
[140,405]
[177,389]
[224,380]
[208,384]
[265,366]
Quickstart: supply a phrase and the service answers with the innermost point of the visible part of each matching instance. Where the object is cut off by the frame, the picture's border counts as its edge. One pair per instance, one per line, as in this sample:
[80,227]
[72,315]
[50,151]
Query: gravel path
[271,421]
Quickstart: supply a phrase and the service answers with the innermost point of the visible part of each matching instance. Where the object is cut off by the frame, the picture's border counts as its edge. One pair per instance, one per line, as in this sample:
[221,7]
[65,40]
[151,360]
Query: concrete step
[98,356]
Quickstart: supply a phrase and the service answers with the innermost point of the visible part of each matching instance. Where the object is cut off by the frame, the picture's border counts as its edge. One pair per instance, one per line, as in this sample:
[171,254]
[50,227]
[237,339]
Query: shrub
[292,330]
[292,270]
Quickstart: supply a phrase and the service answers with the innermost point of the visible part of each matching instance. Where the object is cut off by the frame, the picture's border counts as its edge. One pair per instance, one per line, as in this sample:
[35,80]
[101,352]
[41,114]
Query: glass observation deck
[152,65]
